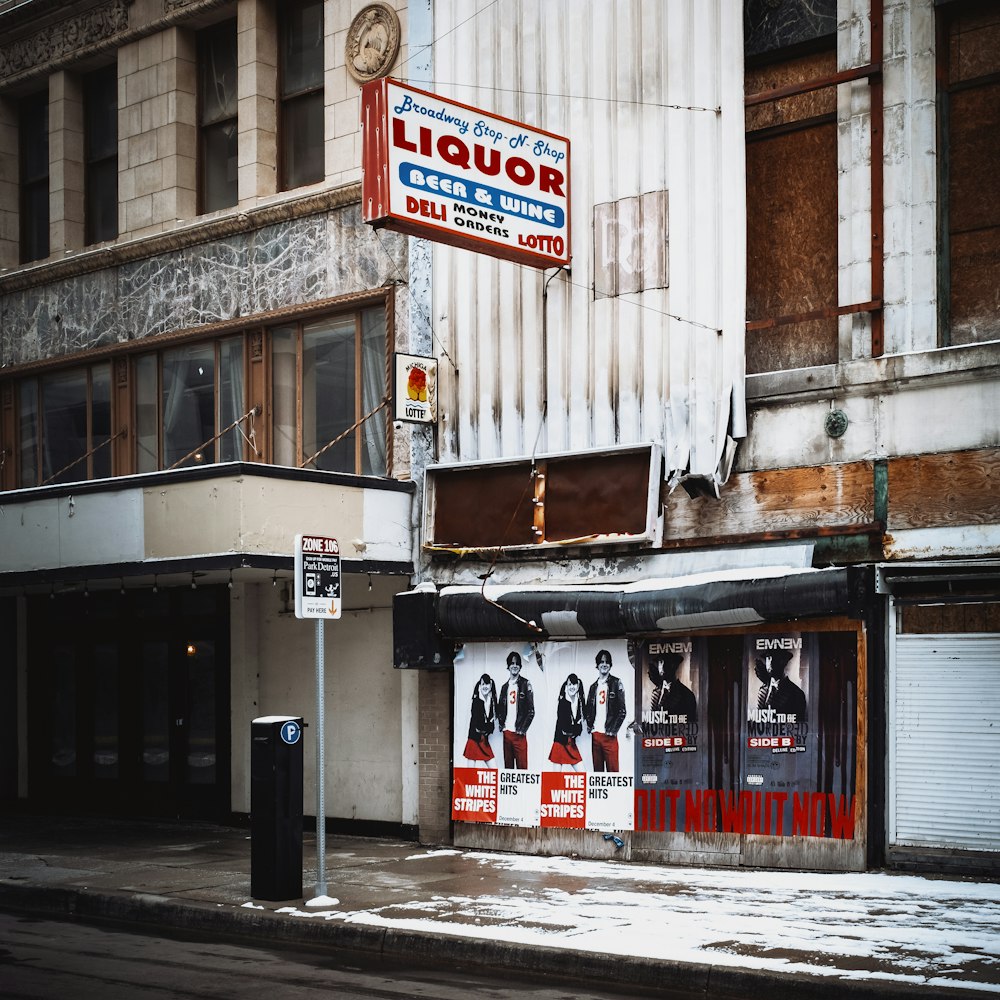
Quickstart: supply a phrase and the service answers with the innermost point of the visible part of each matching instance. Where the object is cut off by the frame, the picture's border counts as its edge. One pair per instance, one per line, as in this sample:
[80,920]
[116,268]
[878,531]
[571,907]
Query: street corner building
[643,359]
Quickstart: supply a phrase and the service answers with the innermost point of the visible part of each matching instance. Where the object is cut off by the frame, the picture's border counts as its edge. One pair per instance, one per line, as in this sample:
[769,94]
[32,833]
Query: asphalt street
[608,924]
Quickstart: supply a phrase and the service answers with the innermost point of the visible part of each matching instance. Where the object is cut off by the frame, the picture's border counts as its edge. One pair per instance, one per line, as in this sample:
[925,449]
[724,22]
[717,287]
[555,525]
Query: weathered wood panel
[780,500]
[928,491]
[937,619]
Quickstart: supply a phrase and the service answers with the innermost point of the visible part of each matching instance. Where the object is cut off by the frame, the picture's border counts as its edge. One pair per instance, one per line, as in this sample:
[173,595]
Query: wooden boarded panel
[974,207]
[792,246]
[825,496]
[928,491]
[938,619]
[791,161]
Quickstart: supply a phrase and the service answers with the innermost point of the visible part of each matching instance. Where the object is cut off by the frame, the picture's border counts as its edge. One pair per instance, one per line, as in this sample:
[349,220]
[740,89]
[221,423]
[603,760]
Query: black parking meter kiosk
[276,807]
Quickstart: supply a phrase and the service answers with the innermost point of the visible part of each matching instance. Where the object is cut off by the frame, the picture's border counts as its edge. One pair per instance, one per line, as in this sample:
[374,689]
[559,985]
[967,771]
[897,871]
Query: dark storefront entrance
[129,702]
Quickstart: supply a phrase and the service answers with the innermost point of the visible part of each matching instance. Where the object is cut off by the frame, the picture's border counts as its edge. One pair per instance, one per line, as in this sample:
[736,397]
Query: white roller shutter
[944,743]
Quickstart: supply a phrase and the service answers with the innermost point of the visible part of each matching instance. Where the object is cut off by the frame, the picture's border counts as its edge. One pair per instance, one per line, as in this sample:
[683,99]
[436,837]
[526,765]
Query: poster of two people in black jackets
[577,691]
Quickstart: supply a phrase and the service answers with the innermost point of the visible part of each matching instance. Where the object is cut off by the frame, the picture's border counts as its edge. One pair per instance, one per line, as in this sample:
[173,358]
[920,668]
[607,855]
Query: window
[188,404]
[185,399]
[217,122]
[65,426]
[33,138]
[969,125]
[100,110]
[791,161]
[301,94]
[342,361]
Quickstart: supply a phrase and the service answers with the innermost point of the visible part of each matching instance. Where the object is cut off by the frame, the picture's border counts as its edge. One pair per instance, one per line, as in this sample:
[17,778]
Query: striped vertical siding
[655,365]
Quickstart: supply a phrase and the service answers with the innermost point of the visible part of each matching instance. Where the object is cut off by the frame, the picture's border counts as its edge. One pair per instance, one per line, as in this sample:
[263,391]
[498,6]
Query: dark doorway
[8,699]
[129,702]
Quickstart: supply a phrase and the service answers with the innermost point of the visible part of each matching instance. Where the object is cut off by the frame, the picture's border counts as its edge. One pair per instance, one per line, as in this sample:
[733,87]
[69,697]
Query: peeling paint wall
[650,96]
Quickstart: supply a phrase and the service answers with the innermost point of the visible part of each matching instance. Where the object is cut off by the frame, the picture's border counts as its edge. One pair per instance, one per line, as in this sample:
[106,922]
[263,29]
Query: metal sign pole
[320,764]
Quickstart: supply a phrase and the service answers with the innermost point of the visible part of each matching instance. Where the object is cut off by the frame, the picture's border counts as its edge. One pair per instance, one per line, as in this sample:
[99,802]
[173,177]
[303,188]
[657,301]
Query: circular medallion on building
[372,42]
[836,423]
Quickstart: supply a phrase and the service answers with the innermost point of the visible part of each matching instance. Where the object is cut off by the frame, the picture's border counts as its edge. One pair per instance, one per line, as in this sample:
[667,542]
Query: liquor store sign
[459,175]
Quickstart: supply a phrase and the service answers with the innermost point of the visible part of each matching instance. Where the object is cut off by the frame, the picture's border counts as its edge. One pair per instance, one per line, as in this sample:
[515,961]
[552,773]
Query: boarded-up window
[630,245]
[970,125]
[587,499]
[791,215]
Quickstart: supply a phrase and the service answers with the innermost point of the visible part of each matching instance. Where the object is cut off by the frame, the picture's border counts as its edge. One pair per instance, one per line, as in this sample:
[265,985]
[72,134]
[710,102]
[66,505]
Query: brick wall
[65,162]
[257,55]
[435,757]
[157,133]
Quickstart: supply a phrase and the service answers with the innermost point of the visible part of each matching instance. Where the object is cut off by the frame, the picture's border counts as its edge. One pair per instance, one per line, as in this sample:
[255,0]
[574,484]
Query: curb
[439,948]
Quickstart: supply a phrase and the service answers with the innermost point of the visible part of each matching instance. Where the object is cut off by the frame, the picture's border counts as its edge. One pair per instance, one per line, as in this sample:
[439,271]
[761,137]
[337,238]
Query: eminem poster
[670,698]
[735,733]
[779,749]
[544,735]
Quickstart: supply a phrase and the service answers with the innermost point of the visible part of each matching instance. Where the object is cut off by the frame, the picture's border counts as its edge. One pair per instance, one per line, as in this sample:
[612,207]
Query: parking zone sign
[317,577]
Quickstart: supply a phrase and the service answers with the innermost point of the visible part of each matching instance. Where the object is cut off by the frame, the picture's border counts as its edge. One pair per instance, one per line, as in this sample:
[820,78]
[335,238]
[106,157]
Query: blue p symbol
[290,732]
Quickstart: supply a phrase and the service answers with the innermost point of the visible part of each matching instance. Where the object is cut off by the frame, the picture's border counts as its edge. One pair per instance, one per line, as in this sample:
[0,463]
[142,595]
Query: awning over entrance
[210,518]
[425,621]
[650,606]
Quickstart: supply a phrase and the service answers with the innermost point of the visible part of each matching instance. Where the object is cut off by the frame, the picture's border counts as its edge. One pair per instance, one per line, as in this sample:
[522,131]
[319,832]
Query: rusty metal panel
[581,498]
[650,95]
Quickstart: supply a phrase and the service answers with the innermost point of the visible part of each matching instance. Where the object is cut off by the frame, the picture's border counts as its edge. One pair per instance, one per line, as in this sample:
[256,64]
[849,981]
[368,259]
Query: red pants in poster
[515,750]
[604,750]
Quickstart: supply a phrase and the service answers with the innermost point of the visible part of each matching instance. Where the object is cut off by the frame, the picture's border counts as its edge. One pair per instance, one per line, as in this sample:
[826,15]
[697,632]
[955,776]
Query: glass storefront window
[188,405]
[328,392]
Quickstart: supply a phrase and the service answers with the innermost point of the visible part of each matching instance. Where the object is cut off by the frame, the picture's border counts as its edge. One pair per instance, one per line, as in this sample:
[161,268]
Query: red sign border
[375,208]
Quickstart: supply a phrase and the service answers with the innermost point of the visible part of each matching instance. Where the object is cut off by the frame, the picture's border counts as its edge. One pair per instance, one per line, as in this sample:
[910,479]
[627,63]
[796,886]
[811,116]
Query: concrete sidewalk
[713,932]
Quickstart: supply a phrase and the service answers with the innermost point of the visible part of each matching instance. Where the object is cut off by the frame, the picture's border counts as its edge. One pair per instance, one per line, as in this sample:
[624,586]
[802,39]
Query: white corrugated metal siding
[945,742]
[618,78]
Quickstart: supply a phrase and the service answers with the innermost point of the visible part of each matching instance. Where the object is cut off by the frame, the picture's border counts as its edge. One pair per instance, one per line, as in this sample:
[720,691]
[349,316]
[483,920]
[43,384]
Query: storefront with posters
[733,745]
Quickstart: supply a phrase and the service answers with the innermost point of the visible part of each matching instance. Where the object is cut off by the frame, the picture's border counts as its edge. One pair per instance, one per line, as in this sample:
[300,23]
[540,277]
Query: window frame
[299,326]
[158,352]
[94,161]
[33,110]
[257,373]
[206,127]
[38,448]
[289,99]
[946,15]
[872,73]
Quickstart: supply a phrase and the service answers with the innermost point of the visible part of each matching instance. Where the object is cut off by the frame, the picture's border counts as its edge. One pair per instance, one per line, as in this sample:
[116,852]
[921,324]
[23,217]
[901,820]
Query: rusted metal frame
[539,474]
[86,456]
[820,83]
[830,312]
[787,128]
[253,412]
[350,430]
[789,534]
[873,73]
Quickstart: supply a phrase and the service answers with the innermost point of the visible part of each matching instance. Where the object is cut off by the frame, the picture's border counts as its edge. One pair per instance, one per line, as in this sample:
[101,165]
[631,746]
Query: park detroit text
[461,176]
